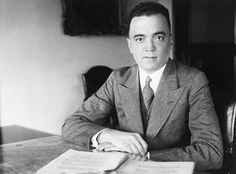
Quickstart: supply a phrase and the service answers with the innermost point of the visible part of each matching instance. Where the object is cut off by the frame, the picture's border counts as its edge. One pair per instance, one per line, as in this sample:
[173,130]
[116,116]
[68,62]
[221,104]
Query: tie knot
[148,93]
[148,80]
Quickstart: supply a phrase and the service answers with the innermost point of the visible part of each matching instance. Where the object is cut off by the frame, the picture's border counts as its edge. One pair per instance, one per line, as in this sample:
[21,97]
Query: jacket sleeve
[81,126]
[205,148]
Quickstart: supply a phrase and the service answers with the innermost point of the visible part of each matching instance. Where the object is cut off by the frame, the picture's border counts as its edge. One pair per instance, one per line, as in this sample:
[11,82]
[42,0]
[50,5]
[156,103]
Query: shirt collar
[155,76]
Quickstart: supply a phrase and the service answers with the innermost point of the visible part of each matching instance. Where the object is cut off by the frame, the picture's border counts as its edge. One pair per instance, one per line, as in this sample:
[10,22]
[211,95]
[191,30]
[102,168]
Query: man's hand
[125,141]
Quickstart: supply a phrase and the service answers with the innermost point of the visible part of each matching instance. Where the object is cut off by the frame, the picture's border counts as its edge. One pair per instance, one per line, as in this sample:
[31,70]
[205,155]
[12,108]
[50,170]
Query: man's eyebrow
[138,35]
[160,32]
[156,33]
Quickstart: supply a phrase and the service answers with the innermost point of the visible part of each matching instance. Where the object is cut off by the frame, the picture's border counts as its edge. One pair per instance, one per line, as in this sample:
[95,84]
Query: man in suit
[163,107]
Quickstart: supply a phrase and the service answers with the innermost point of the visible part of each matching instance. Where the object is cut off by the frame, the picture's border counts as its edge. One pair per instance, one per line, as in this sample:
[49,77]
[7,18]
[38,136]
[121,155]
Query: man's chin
[150,69]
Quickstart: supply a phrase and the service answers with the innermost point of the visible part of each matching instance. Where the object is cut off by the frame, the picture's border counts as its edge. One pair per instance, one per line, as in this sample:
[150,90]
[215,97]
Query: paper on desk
[78,162]
[151,167]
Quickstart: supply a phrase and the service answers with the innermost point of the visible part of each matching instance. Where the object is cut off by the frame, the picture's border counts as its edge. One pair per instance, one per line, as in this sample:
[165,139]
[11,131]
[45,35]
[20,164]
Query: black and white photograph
[117,86]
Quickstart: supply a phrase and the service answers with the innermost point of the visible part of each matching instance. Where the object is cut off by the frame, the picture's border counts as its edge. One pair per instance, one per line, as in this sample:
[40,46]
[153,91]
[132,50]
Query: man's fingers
[134,148]
[133,144]
[142,143]
[130,142]
[141,146]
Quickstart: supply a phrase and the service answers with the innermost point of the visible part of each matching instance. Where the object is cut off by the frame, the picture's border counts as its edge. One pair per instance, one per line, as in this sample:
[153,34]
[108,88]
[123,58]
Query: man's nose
[150,46]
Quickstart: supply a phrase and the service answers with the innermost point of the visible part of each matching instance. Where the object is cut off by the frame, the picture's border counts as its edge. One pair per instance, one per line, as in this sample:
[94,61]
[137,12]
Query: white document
[151,167]
[78,162]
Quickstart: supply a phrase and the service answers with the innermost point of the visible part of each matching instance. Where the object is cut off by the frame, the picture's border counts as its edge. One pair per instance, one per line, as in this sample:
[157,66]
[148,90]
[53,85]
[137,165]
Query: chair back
[94,78]
[225,107]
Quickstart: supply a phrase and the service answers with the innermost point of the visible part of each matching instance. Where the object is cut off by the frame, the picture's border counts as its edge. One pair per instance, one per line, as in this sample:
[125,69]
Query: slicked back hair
[148,9]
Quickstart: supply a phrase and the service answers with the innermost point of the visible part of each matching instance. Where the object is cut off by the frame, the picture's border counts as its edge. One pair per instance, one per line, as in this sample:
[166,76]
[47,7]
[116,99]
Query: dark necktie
[148,93]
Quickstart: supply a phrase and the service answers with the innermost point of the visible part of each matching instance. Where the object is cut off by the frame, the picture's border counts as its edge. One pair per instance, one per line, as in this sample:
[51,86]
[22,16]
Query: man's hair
[148,9]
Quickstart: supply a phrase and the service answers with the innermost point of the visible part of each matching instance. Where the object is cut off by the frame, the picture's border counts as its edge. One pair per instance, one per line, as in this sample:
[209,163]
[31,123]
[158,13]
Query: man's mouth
[150,57]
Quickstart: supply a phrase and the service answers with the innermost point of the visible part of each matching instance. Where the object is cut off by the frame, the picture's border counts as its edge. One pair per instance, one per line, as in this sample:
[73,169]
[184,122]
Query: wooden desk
[26,157]
[15,133]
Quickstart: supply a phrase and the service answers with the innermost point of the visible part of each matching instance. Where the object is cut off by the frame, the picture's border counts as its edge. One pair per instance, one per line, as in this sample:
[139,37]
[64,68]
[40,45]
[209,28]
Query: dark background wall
[204,31]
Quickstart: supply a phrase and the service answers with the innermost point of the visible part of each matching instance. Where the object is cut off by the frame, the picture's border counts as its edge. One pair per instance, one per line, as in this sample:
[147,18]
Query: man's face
[150,41]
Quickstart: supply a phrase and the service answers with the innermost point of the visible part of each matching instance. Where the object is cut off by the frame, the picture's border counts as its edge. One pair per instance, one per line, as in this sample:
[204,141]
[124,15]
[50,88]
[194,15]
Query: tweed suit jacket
[183,125]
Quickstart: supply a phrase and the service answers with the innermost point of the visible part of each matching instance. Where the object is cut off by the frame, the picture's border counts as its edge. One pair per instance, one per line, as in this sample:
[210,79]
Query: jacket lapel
[130,96]
[165,100]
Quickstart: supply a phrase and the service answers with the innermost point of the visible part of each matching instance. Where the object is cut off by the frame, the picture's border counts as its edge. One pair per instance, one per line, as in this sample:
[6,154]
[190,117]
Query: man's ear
[171,44]
[129,45]
[171,40]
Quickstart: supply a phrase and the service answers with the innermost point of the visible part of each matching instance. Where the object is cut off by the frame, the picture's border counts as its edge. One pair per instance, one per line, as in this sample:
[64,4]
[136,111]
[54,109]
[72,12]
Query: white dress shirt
[156,76]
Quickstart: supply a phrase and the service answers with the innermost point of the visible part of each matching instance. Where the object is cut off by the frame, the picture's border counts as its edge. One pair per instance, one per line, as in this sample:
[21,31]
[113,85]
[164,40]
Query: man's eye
[139,39]
[160,37]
